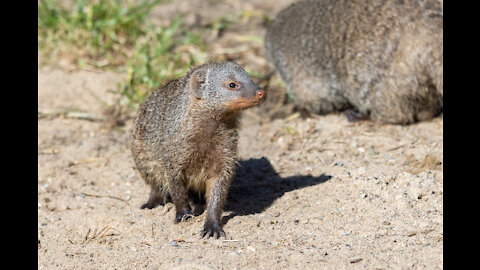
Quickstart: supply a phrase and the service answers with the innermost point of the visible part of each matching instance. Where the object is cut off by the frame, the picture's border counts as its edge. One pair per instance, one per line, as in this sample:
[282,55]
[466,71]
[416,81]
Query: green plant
[94,29]
[165,53]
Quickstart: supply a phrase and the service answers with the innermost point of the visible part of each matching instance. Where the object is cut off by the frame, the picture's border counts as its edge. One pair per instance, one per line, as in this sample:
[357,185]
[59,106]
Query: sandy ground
[314,193]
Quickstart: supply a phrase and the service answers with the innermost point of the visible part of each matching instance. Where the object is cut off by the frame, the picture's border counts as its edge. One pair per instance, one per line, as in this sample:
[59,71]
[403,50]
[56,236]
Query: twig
[397,147]
[86,236]
[104,196]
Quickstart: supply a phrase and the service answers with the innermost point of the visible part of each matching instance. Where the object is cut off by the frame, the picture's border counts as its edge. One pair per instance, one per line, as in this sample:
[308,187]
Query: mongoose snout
[260,93]
[185,139]
[248,99]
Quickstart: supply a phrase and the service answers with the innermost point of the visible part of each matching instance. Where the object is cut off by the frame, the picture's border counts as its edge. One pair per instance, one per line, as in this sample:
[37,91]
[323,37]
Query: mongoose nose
[260,93]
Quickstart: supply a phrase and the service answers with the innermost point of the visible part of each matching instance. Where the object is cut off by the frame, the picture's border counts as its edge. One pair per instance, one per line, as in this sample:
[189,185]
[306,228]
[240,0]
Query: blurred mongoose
[185,139]
[383,59]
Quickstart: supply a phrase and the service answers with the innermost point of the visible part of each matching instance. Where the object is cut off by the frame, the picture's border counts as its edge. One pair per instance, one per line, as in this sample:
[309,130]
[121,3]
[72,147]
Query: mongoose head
[224,86]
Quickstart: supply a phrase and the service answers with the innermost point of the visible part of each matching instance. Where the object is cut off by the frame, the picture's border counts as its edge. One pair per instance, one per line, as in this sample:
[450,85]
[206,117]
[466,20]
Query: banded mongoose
[185,139]
[383,59]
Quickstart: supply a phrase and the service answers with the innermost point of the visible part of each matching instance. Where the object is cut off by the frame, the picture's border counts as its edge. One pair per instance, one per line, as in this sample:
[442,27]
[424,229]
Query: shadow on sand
[257,185]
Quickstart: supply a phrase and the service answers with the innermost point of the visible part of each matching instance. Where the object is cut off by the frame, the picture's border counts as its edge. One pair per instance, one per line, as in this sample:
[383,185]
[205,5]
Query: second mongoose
[381,59]
[185,139]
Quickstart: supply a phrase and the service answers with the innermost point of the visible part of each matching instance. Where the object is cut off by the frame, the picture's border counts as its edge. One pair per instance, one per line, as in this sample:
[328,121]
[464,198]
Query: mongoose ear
[196,80]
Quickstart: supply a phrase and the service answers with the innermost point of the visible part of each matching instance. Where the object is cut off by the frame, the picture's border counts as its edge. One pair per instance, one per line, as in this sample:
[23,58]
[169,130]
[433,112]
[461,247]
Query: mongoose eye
[233,85]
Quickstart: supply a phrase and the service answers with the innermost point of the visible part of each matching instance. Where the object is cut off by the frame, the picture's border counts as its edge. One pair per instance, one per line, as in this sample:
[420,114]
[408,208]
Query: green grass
[92,31]
[116,34]
[165,53]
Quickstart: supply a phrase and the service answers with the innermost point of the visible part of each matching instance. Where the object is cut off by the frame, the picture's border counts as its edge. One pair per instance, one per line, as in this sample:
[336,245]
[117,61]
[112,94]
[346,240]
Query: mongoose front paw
[212,230]
[150,205]
[183,216]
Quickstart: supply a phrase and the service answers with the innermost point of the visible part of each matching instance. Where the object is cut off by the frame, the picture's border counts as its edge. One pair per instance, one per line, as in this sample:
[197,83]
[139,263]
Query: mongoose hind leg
[405,104]
[179,195]
[197,202]
[156,198]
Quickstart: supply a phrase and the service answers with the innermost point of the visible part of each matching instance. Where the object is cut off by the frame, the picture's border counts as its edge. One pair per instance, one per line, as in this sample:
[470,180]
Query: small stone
[340,164]
[174,244]
[363,195]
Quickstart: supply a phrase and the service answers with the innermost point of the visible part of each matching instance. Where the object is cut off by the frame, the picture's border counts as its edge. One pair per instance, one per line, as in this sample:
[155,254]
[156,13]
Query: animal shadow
[257,185]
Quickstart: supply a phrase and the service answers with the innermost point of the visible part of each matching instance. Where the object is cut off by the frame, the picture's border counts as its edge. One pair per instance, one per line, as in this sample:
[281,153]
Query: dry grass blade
[104,196]
[73,114]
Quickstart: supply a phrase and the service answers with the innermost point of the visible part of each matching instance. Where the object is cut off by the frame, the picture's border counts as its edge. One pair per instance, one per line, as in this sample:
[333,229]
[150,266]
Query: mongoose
[185,139]
[381,58]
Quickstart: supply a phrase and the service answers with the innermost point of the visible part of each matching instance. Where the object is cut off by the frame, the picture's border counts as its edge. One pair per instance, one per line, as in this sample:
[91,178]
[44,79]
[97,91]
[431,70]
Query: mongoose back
[185,139]
[381,58]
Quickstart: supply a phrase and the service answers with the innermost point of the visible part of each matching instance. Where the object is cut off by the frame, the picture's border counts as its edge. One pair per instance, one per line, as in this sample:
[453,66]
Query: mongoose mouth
[244,103]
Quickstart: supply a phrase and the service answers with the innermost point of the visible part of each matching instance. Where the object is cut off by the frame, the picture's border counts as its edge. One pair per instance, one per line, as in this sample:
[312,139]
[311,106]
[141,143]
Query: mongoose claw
[147,205]
[151,204]
[183,216]
[212,230]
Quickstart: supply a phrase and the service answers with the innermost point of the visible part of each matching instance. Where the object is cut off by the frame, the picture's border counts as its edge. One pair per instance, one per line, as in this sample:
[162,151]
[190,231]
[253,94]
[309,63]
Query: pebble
[174,244]
[340,163]
[363,195]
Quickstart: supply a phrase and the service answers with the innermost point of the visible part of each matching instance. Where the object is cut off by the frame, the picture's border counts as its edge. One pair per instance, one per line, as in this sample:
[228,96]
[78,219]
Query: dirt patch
[428,163]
